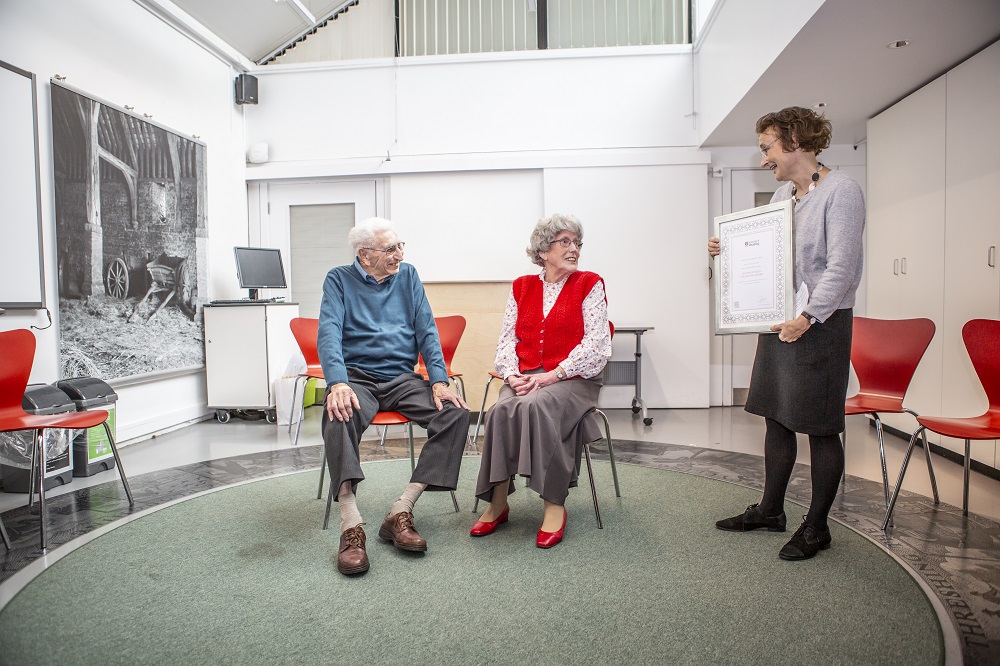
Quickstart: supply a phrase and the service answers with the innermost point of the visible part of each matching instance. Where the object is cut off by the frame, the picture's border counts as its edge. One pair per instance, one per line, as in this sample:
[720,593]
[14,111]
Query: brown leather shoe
[400,531]
[352,558]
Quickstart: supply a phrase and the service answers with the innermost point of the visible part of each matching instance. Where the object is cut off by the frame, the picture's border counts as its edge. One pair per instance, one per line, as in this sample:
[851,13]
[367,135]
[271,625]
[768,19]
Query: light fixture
[301,10]
[819,105]
[898,44]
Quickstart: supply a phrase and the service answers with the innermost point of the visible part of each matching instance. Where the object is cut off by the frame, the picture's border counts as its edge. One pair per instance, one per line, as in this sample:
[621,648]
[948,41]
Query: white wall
[644,235]
[482,146]
[742,42]
[496,104]
[115,50]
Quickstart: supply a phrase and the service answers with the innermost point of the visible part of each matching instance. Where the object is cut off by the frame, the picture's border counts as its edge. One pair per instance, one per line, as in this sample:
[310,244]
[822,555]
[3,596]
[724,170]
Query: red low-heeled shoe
[549,539]
[482,528]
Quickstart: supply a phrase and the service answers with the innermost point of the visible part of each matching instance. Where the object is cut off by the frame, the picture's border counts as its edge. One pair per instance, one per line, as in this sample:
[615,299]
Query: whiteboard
[21,277]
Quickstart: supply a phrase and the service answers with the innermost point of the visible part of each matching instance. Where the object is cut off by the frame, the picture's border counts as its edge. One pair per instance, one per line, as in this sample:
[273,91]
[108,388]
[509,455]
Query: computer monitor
[259,268]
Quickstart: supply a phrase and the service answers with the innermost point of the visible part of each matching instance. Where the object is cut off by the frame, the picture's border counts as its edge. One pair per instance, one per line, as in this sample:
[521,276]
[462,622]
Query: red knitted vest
[547,341]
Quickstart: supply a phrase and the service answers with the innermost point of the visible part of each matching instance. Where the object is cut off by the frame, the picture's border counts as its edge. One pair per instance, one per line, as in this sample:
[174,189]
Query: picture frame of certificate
[754,285]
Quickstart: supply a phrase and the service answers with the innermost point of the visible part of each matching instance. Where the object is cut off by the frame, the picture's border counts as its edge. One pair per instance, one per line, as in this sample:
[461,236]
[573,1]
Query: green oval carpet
[246,576]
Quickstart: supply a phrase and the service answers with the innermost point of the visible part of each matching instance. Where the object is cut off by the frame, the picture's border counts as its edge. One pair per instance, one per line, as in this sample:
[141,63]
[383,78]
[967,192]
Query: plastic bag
[283,388]
[15,447]
[296,366]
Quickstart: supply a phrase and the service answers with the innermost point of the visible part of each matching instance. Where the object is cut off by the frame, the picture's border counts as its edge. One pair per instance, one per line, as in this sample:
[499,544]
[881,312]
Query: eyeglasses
[764,149]
[566,242]
[387,250]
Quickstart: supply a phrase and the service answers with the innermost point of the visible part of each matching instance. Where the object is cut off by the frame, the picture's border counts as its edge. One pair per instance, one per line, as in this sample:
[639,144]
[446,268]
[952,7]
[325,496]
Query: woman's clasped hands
[525,384]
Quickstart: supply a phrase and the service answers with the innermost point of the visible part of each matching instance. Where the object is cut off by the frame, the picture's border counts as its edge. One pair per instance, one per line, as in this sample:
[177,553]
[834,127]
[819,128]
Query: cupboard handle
[895,266]
[991,256]
[902,265]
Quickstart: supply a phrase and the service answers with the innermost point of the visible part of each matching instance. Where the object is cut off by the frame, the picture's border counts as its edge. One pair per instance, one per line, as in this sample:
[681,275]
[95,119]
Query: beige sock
[349,514]
[408,498]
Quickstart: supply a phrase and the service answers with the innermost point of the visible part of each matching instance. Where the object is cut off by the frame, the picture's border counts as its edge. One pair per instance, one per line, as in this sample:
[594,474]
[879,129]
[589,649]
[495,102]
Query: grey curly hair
[546,231]
[363,235]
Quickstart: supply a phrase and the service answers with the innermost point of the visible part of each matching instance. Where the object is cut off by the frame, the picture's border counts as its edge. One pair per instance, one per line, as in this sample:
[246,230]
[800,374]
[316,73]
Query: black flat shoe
[805,543]
[753,519]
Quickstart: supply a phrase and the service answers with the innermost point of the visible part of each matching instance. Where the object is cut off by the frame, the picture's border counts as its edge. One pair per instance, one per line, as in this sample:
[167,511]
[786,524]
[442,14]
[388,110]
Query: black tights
[827,466]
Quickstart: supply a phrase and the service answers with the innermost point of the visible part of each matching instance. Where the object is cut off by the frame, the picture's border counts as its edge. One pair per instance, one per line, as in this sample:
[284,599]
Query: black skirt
[802,385]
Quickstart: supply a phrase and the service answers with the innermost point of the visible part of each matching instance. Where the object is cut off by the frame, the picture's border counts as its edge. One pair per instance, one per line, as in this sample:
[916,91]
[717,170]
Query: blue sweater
[376,328]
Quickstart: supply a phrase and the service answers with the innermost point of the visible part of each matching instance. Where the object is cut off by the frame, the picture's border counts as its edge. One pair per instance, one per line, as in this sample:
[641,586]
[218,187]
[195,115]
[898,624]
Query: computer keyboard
[244,301]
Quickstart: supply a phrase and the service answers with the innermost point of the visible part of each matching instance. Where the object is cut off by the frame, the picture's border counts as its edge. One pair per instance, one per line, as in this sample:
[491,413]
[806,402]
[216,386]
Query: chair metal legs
[40,458]
[302,412]
[614,468]
[881,453]
[460,383]
[38,465]
[291,408]
[473,445]
[965,487]
[611,450]
[593,487]
[927,457]
[118,459]
[902,472]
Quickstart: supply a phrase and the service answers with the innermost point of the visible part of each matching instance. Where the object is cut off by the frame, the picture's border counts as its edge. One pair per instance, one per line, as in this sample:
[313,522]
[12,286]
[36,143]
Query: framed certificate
[754,270]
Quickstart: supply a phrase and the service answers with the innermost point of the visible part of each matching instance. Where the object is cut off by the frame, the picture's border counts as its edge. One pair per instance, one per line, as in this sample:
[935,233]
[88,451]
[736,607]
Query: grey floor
[956,559]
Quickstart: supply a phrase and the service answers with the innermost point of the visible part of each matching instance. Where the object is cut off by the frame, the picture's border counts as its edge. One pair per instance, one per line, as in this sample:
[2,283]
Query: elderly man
[373,322]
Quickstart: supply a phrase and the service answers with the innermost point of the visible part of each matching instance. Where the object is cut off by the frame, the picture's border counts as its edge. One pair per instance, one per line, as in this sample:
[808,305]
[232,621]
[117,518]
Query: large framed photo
[131,239]
[755,268]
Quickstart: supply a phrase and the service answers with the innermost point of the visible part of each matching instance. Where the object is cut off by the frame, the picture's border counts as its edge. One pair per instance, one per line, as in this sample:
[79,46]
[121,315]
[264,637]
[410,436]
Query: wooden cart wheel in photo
[116,279]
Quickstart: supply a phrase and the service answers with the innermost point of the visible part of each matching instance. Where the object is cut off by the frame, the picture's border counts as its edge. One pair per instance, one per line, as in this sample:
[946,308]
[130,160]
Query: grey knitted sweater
[829,228]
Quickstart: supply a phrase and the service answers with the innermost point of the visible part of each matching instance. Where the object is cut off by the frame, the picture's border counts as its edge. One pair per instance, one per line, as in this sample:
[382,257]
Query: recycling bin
[91,449]
[15,447]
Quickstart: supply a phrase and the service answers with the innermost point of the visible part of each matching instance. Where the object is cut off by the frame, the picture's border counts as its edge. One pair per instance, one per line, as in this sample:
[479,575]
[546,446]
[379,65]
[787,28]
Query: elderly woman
[554,342]
[800,376]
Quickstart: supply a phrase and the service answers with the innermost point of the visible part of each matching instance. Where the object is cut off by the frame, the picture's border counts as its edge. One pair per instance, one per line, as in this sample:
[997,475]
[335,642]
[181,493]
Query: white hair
[364,233]
[546,231]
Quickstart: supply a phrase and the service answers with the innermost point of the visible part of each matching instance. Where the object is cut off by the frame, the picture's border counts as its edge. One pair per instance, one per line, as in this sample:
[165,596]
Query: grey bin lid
[46,399]
[88,391]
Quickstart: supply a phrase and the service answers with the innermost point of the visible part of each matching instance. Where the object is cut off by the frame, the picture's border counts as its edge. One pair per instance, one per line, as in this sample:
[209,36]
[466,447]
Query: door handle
[895,266]
[991,256]
[902,265]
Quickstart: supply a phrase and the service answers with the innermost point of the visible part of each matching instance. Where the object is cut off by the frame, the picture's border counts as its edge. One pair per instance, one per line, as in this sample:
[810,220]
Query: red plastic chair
[450,330]
[305,331]
[885,353]
[15,368]
[982,340]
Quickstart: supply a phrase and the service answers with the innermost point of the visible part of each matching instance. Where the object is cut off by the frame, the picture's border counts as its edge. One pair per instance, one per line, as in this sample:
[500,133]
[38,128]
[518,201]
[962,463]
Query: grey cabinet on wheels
[247,347]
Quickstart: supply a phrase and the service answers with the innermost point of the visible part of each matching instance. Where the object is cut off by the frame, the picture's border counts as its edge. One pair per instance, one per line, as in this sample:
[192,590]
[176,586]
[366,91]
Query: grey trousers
[410,395]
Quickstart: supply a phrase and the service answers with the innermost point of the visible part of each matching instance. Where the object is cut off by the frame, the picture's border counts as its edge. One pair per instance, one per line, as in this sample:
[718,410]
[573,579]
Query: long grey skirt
[802,385]
[539,436]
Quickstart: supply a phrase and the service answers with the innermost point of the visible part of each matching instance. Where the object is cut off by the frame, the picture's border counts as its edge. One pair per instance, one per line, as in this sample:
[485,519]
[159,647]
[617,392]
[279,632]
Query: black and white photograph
[131,241]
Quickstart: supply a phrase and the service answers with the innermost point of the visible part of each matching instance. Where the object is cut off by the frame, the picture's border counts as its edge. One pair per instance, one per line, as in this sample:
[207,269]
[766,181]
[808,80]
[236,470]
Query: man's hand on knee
[442,393]
[341,402]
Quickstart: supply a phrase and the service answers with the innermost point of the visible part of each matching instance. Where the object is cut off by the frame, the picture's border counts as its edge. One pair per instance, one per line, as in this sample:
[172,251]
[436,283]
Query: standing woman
[800,375]
[554,342]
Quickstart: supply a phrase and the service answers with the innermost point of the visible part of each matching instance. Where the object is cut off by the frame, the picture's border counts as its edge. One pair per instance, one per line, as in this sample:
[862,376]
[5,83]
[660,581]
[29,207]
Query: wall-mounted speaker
[246,89]
[257,153]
